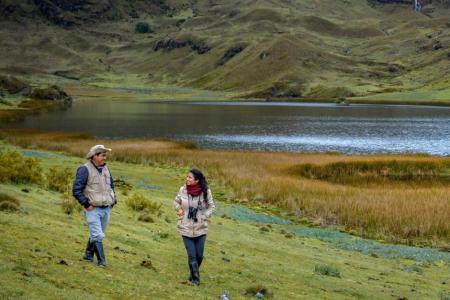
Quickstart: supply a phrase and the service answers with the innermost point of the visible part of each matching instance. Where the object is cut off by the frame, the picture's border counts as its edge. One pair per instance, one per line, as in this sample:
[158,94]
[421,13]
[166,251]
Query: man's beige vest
[98,188]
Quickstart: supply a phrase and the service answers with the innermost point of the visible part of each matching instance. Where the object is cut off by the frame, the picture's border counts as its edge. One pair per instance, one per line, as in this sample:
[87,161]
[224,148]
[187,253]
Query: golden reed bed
[407,211]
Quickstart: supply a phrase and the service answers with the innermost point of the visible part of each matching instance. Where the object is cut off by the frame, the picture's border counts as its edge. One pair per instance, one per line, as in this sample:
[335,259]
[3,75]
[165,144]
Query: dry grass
[407,212]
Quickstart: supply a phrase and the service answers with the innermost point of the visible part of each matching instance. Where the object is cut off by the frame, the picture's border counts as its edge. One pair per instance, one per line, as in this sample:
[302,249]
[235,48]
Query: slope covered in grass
[266,49]
[41,249]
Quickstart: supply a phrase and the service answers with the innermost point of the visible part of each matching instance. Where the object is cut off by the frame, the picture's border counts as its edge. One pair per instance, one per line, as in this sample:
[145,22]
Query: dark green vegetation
[267,49]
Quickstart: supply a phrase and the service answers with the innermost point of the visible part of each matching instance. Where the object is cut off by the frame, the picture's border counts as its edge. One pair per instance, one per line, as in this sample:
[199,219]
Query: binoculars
[192,214]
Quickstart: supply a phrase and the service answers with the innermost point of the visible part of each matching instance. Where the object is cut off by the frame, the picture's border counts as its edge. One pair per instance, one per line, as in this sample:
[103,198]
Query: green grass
[41,250]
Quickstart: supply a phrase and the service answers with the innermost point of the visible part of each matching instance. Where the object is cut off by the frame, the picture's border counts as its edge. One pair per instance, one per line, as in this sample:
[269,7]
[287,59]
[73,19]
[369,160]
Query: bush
[146,217]
[59,179]
[9,203]
[138,202]
[259,291]
[327,270]
[17,169]
[69,204]
[143,27]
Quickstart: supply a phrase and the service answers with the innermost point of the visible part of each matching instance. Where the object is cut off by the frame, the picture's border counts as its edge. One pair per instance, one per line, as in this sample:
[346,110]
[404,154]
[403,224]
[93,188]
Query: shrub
[9,203]
[327,270]
[69,204]
[59,179]
[259,291]
[17,169]
[143,27]
[138,202]
[264,229]
[289,235]
[146,217]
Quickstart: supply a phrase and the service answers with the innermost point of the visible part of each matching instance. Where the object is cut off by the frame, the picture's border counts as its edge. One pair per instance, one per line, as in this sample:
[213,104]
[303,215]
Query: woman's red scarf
[194,190]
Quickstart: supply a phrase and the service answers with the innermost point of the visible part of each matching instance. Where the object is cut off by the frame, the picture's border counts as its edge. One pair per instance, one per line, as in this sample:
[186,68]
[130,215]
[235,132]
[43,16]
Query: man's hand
[180,212]
[90,208]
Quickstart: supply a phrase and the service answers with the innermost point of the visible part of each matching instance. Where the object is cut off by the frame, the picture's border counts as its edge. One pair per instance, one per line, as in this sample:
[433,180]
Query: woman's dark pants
[195,247]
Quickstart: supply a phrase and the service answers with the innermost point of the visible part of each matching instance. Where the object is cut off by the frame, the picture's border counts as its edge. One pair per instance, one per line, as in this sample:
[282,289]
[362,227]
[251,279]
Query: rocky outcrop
[172,44]
[229,54]
[279,90]
[12,85]
[52,93]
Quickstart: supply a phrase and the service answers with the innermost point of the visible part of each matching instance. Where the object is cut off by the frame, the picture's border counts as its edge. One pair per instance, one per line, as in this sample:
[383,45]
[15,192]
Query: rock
[229,54]
[346,51]
[394,68]
[233,13]
[25,190]
[225,296]
[225,259]
[437,45]
[259,295]
[63,262]
[180,22]
[12,85]
[172,44]
[52,93]
[133,14]
[263,55]
[282,90]
[66,74]
[148,264]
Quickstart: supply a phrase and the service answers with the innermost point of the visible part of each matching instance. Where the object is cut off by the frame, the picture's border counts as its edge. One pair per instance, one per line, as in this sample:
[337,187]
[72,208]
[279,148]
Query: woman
[194,205]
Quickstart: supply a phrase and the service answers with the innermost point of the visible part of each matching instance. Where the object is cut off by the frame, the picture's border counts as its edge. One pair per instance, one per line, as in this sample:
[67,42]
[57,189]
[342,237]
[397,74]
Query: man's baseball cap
[97,149]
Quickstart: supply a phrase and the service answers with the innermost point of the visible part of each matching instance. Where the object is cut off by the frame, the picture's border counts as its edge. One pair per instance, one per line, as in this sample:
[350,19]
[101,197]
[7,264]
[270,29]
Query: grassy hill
[263,49]
[246,251]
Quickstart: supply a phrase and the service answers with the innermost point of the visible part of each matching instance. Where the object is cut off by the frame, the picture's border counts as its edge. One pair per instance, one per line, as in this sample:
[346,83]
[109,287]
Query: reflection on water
[263,126]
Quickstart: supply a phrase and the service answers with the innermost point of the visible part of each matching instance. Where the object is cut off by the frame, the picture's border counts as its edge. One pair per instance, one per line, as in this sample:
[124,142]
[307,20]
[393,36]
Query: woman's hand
[180,212]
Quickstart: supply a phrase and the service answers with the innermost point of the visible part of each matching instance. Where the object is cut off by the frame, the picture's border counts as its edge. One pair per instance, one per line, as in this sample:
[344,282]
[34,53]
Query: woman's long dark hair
[198,175]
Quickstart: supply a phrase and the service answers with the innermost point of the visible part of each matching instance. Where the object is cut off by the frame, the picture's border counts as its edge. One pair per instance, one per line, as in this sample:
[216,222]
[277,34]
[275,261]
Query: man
[94,189]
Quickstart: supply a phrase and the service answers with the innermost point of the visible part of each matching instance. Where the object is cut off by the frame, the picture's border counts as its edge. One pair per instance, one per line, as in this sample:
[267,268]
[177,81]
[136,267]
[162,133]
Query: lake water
[262,126]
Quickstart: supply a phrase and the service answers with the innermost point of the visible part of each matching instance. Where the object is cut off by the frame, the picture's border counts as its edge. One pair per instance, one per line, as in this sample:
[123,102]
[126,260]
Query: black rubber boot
[195,273]
[190,272]
[199,261]
[98,249]
[89,253]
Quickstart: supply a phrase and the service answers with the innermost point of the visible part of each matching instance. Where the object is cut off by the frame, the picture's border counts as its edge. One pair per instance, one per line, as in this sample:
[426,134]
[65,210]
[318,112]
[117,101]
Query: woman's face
[190,179]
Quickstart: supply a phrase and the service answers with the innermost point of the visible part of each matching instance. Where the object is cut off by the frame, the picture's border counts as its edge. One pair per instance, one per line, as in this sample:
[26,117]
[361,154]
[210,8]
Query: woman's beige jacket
[187,227]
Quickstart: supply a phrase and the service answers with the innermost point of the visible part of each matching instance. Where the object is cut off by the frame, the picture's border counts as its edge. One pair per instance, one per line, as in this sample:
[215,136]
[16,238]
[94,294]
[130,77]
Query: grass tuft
[9,203]
[70,204]
[259,291]
[327,270]
[138,202]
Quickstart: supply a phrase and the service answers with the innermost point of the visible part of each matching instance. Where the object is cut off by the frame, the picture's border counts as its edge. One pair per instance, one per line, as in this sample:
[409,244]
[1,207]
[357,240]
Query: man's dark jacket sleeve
[79,185]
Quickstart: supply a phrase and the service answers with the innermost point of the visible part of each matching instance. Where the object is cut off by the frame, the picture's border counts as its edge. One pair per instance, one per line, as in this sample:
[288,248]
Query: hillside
[246,251]
[266,49]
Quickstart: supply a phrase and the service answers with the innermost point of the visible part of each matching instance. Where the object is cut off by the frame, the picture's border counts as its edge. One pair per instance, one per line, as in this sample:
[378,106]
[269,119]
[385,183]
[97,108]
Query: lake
[272,126]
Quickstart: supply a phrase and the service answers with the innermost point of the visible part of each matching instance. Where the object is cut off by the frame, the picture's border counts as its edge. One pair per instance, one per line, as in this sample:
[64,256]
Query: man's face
[99,159]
